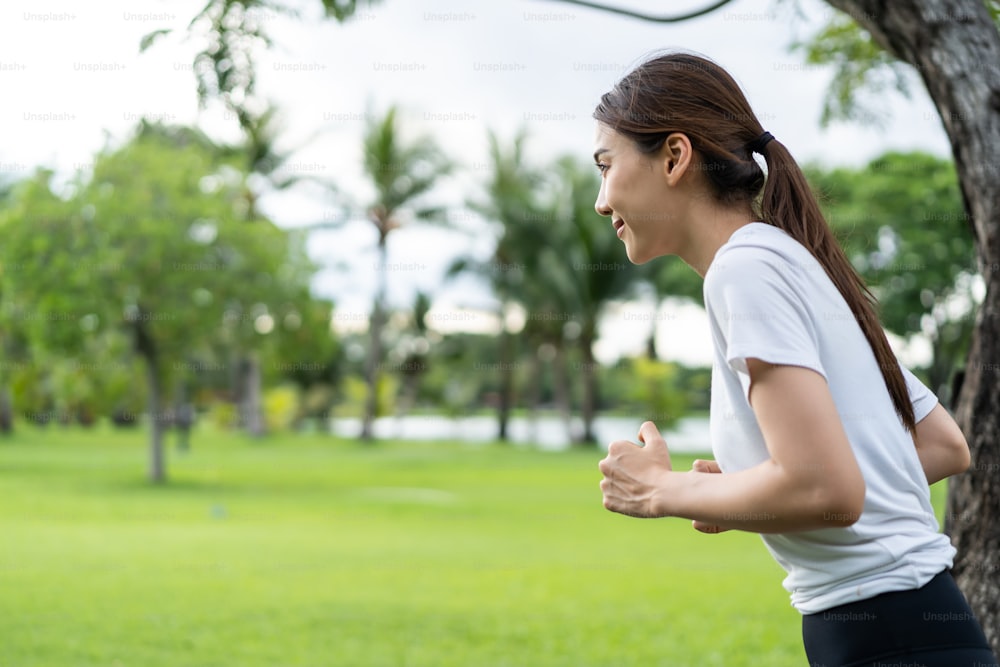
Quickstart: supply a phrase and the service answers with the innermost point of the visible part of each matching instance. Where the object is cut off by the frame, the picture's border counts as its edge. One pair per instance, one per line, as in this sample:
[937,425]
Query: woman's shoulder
[758,250]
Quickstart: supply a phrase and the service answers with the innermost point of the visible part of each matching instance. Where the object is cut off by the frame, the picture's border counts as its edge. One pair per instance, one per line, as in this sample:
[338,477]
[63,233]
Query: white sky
[71,76]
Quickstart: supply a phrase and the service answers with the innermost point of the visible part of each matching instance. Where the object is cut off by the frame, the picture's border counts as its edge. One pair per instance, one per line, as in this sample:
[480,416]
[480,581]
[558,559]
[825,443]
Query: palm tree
[599,270]
[556,258]
[414,364]
[512,203]
[402,173]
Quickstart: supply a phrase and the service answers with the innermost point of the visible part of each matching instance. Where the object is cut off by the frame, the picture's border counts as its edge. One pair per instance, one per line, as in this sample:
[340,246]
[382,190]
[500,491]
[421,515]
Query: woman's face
[636,194]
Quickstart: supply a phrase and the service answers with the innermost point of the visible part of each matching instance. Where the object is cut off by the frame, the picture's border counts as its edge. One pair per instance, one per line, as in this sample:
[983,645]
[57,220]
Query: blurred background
[390,216]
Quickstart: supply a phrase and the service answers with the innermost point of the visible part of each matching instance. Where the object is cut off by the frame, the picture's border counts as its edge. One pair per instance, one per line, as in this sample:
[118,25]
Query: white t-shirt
[768,298]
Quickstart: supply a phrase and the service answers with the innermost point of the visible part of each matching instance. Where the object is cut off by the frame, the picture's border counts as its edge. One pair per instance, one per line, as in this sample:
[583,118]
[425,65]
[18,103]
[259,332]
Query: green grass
[312,551]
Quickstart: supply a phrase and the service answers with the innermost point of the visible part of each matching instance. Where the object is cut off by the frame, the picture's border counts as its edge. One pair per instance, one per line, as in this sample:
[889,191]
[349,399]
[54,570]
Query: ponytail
[789,204]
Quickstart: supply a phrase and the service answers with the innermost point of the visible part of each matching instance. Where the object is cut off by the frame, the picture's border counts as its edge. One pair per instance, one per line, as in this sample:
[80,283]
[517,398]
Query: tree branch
[677,18]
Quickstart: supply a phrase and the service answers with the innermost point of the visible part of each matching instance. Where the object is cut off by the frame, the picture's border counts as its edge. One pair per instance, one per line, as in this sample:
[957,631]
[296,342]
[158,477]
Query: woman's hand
[634,475]
[701,466]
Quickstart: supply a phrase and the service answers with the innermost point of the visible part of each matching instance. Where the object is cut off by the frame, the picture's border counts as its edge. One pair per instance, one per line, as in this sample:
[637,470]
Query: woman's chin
[635,255]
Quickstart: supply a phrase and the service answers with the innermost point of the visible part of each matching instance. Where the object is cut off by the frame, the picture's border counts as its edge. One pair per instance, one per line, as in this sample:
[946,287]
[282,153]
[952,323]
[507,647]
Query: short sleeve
[922,398]
[757,312]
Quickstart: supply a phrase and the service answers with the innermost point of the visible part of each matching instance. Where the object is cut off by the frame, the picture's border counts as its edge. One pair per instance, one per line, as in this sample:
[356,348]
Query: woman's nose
[601,205]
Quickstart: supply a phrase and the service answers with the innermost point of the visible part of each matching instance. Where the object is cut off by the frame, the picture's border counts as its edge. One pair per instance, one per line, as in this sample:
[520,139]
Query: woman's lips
[619,226]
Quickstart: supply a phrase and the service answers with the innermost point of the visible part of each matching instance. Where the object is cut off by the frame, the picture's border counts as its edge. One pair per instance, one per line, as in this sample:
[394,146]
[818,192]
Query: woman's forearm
[762,499]
[941,447]
[811,479]
[940,462]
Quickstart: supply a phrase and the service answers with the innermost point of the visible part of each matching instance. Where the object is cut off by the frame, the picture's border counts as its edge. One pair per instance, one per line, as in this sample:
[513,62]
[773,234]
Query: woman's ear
[677,155]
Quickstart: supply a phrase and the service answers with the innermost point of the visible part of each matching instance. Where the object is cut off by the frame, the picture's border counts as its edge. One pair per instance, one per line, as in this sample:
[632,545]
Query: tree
[600,271]
[402,173]
[556,260]
[225,65]
[512,206]
[901,221]
[153,246]
[414,356]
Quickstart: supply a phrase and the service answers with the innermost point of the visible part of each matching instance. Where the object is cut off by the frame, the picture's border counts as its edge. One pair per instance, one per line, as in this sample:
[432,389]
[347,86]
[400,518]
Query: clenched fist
[634,476]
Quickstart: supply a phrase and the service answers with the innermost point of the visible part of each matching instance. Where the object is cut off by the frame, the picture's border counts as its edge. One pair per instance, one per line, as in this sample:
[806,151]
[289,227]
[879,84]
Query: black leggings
[931,626]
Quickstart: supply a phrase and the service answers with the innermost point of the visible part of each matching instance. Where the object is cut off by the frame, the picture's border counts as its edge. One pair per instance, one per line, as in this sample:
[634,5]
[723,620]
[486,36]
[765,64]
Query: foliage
[154,249]
[355,393]
[670,277]
[307,352]
[555,259]
[654,392]
[281,408]
[231,32]
[222,415]
[861,69]
[460,377]
[902,222]
[402,172]
[151,242]
[595,268]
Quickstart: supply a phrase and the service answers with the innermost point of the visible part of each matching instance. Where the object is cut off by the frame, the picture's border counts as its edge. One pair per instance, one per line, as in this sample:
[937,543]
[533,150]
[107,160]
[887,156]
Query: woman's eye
[601,167]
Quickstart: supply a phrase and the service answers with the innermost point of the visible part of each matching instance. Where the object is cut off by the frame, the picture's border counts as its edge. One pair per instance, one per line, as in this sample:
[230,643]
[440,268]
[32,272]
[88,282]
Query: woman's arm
[941,447]
[811,481]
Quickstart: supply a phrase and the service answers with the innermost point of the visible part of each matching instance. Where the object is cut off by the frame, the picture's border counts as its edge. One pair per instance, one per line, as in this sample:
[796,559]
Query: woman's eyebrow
[598,153]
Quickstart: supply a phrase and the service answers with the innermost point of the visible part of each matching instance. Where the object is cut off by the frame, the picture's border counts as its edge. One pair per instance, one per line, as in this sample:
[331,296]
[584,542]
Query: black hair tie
[757,145]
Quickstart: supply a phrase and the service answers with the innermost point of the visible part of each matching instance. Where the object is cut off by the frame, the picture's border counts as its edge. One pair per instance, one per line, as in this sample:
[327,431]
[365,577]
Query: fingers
[708,528]
[619,447]
[649,435]
[705,466]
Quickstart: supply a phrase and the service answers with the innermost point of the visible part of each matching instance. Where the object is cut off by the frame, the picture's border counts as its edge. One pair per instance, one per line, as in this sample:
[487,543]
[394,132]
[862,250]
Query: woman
[825,443]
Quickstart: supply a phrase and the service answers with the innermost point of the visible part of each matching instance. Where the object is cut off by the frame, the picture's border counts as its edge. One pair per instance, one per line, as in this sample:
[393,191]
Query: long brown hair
[680,92]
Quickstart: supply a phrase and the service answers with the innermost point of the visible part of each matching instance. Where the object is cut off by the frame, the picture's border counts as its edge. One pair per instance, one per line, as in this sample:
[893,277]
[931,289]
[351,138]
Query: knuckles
[618,447]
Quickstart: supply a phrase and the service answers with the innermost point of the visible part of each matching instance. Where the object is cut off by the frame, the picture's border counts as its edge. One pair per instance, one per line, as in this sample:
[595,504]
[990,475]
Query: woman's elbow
[960,455]
[843,513]
[841,505]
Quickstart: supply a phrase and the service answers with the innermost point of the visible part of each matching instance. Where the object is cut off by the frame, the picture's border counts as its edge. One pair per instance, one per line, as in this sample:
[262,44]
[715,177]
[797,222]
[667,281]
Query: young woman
[825,444]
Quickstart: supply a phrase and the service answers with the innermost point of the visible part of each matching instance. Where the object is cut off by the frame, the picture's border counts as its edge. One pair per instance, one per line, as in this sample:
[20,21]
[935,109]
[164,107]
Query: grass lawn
[313,551]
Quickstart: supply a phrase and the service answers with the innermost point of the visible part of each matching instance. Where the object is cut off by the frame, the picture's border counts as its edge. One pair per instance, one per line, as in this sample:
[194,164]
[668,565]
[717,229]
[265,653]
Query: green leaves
[401,171]
[342,10]
[861,69]
[153,246]
[903,225]
[151,38]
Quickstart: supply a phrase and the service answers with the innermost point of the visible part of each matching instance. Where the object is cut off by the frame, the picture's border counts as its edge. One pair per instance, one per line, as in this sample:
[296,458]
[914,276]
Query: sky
[73,81]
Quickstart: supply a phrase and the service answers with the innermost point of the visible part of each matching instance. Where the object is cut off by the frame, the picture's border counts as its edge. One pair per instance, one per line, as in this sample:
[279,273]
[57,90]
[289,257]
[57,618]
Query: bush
[281,408]
[356,392]
[223,415]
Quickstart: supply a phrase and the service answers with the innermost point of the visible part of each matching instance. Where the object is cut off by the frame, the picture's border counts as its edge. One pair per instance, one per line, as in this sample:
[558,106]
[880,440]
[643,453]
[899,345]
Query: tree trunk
[251,409]
[145,346]
[588,407]
[560,390]
[535,392]
[157,465]
[374,359]
[183,417]
[955,47]
[506,382]
[6,412]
